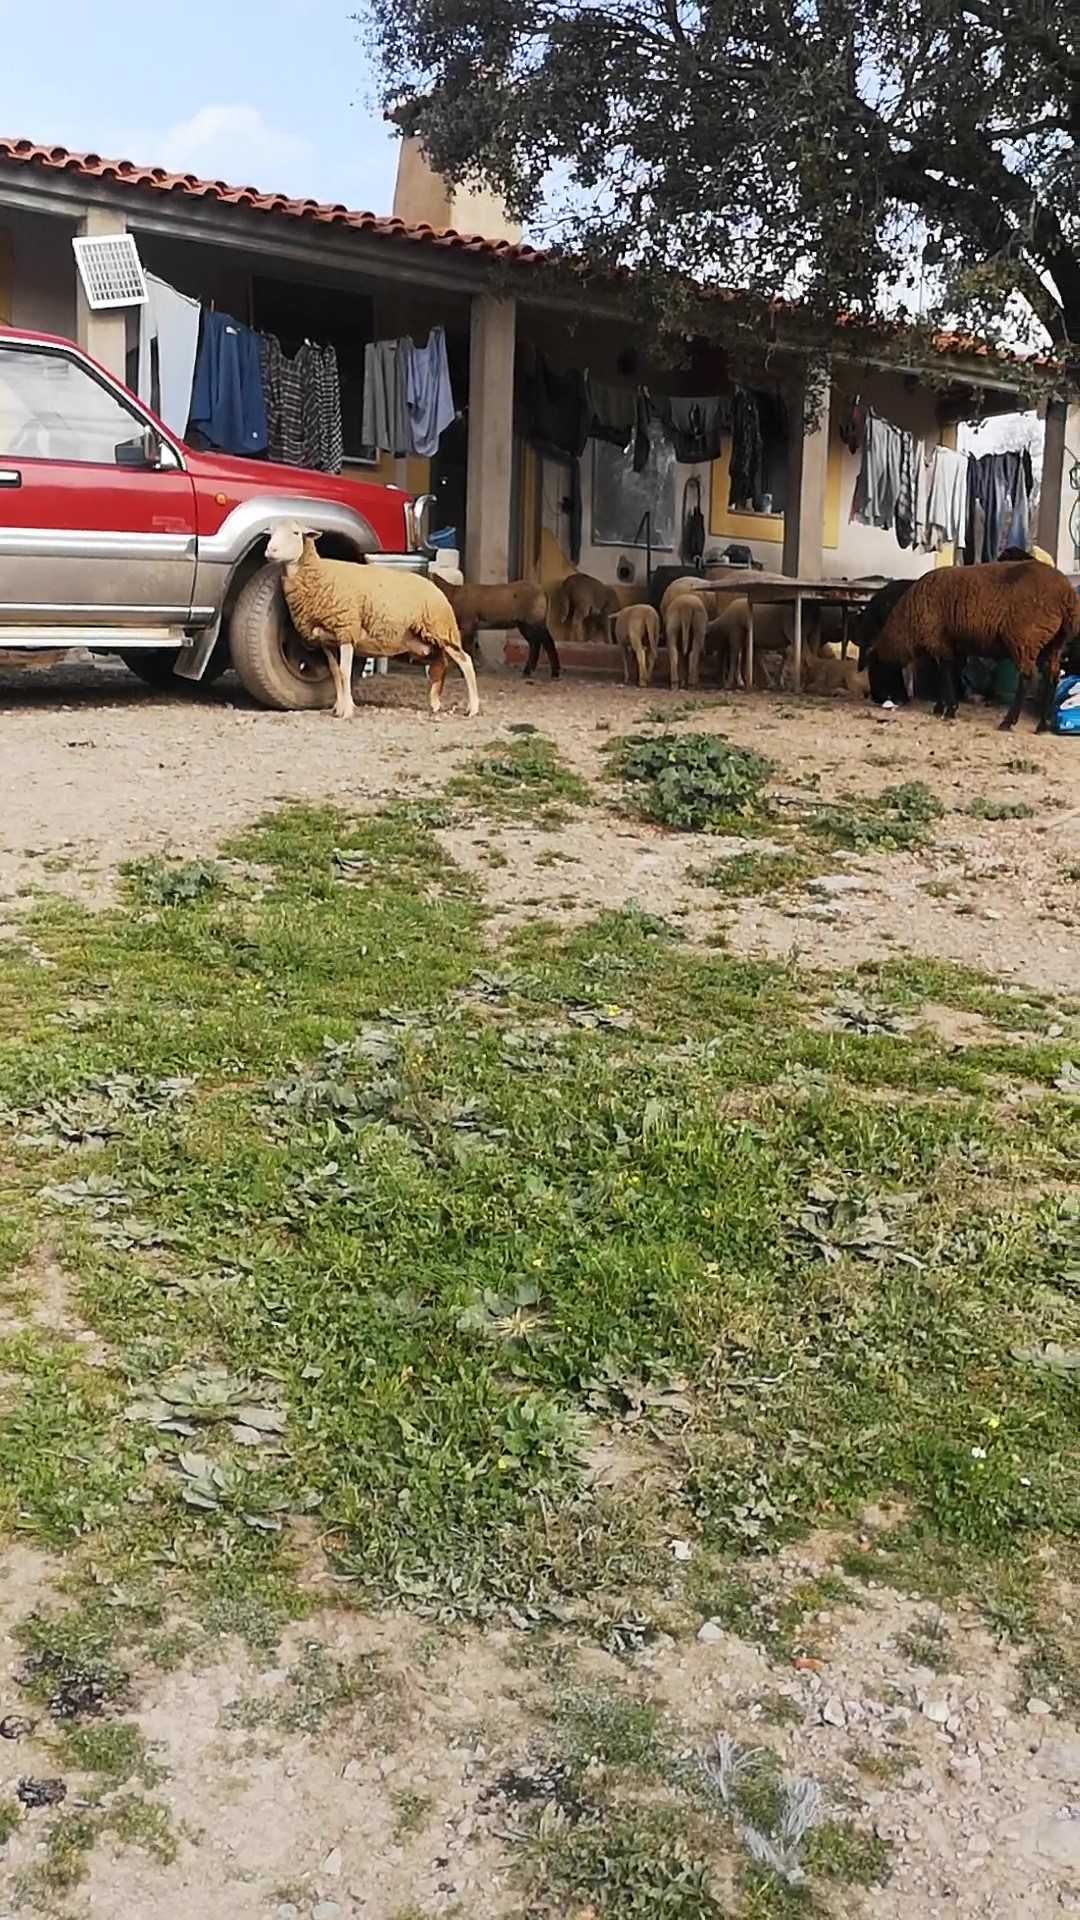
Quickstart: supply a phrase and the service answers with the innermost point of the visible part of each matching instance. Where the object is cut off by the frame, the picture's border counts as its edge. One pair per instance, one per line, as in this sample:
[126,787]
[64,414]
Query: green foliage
[634,1865]
[985,808]
[744,874]
[896,819]
[846,197]
[839,1850]
[696,782]
[158,883]
[520,778]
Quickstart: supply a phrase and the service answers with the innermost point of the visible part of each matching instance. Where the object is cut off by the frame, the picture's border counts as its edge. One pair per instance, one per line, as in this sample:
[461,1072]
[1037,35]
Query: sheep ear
[312,533]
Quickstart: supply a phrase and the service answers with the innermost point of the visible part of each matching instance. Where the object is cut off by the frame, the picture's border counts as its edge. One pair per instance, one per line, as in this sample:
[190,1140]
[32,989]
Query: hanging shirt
[881,478]
[385,420]
[284,397]
[170,321]
[227,405]
[612,413]
[429,400]
[946,499]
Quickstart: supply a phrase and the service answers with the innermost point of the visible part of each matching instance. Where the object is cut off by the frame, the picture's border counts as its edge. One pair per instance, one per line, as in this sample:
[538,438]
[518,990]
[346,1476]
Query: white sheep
[637,631]
[347,607]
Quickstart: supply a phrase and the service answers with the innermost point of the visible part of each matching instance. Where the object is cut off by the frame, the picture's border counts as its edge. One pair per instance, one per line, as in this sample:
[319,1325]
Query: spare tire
[275,666]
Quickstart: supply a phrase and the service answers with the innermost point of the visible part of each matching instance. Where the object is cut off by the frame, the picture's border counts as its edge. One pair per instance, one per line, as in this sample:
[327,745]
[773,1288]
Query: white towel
[172,320]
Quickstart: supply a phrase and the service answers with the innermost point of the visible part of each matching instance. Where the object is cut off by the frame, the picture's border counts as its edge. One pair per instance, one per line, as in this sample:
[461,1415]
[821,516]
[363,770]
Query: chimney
[423,198]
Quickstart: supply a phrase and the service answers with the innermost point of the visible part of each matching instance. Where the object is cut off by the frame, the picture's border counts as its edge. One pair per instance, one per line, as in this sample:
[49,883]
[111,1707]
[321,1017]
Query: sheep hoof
[1006,725]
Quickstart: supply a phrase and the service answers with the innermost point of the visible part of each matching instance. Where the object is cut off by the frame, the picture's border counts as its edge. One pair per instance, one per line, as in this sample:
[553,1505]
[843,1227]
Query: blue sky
[269,95]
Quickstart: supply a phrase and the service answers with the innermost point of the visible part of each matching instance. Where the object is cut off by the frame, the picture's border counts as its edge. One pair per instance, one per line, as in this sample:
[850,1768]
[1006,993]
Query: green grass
[894,820]
[444,1210]
[636,1865]
[520,778]
[114,1750]
[745,874]
[984,807]
[839,1850]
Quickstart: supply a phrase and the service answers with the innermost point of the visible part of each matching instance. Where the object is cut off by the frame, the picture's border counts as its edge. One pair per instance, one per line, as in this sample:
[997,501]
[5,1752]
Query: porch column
[104,335]
[808,461]
[489,466]
[1048,530]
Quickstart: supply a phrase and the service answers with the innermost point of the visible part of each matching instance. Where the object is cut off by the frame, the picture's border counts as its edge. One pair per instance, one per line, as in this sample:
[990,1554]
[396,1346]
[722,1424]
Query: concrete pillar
[1048,531]
[103,335]
[808,465]
[490,461]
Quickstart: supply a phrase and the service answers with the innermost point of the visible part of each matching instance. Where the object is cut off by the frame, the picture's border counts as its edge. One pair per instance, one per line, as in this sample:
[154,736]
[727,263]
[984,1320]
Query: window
[51,408]
[344,321]
[622,498]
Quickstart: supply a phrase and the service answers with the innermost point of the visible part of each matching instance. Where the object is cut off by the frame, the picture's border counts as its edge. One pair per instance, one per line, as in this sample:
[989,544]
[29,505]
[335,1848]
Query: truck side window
[51,408]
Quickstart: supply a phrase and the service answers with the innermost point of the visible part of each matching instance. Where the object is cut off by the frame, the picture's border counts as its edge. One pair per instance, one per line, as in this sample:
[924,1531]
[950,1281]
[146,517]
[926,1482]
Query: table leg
[798,643]
[749,664]
[844,631]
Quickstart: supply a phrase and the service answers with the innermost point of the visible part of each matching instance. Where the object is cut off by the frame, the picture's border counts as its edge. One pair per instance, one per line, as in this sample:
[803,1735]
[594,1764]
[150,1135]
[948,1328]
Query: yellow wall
[737,526]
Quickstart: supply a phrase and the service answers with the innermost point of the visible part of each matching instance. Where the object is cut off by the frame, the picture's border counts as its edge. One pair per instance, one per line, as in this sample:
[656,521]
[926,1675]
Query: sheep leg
[345,667]
[532,636]
[696,650]
[436,673]
[334,665]
[673,662]
[1051,675]
[464,664]
[947,692]
[1017,704]
[551,651]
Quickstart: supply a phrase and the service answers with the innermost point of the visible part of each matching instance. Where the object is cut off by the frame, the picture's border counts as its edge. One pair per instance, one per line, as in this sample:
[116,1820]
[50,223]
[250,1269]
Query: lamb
[521,604]
[728,635]
[347,607]
[684,631]
[579,608]
[637,631]
[1024,610]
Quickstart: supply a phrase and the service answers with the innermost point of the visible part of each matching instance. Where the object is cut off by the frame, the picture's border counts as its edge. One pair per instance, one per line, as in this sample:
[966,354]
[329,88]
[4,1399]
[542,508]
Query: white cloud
[235,143]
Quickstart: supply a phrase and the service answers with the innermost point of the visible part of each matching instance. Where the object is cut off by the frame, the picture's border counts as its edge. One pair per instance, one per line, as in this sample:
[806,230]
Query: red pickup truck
[116,536]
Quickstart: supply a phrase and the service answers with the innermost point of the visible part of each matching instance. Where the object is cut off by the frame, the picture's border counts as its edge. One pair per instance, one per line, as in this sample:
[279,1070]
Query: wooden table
[798,593]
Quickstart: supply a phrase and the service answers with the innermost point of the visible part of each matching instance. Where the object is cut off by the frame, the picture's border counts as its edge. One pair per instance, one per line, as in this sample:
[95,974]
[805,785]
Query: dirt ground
[978,1789]
[98,770]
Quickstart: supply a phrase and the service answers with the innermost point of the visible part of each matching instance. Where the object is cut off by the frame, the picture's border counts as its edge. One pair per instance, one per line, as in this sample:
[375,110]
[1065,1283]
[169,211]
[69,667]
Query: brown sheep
[580,609]
[521,604]
[637,631]
[684,631]
[1022,610]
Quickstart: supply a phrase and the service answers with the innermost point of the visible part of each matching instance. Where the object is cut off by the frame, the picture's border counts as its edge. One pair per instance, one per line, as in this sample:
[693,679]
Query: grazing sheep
[689,583]
[729,632]
[579,609]
[684,631]
[347,607]
[1022,610]
[831,672]
[887,681]
[521,604]
[637,631]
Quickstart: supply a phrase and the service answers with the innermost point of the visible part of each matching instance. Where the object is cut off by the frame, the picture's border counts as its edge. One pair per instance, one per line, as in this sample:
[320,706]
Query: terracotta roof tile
[188,185]
[326,213]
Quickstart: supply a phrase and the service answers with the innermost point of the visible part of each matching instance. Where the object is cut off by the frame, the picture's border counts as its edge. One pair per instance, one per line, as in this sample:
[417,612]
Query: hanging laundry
[385,416]
[696,428]
[946,499]
[227,405]
[169,322]
[555,407]
[283,392]
[612,413]
[747,450]
[692,545]
[1000,486]
[878,487]
[429,399]
[320,410]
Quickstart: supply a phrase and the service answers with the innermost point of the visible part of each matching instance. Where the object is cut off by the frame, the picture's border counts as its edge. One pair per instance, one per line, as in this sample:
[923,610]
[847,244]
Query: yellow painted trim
[834,478]
[739,526]
[529,514]
[554,564]
[5,278]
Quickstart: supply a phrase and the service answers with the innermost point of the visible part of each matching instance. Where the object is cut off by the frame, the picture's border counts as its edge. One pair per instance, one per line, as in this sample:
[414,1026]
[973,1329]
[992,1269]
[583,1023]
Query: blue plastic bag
[1066,718]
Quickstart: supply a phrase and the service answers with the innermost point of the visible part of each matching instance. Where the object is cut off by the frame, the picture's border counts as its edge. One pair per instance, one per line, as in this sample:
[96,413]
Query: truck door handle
[10,477]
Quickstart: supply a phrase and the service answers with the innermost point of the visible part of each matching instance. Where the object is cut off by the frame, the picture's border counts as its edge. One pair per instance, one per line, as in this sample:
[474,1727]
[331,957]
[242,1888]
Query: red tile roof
[124,173]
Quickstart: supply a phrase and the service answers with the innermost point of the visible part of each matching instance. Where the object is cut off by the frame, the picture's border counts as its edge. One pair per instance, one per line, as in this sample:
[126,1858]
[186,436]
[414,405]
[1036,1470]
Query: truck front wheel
[273,663]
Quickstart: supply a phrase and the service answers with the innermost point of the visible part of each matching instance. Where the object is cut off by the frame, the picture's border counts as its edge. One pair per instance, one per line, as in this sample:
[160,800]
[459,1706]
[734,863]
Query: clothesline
[941,497]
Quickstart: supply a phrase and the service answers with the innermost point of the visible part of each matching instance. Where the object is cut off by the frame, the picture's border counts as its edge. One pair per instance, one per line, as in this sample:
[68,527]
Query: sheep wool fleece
[372,608]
